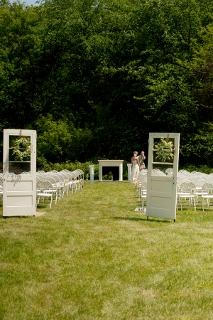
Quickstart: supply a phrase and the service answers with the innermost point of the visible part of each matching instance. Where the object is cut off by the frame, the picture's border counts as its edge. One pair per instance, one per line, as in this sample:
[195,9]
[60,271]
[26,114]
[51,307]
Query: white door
[163,160]
[19,172]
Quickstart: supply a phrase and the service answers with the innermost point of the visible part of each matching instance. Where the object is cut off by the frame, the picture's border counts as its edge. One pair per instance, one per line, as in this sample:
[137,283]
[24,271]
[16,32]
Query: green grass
[92,257]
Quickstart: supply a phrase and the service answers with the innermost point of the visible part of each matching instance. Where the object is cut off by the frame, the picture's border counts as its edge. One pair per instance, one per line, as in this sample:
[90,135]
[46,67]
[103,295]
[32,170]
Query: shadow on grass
[13,217]
[143,218]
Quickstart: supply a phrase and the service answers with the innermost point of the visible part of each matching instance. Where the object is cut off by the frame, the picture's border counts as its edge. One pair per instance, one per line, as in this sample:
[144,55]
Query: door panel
[162,175]
[19,181]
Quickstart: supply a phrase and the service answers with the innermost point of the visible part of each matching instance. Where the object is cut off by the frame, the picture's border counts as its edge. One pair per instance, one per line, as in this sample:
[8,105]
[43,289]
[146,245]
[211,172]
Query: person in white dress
[135,166]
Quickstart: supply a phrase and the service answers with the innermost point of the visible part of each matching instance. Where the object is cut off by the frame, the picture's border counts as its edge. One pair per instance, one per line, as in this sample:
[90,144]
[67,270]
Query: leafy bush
[60,141]
[54,138]
[47,166]
[199,147]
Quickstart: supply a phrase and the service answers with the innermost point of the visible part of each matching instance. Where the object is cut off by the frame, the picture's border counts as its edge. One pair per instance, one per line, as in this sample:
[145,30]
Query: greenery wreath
[21,149]
[164,150]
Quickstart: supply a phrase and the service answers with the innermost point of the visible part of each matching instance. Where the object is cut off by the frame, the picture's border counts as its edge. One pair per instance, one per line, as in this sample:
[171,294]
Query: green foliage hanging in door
[164,150]
[21,149]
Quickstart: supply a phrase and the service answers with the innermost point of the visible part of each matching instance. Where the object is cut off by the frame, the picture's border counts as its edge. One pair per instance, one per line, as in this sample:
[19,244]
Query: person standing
[141,159]
[135,166]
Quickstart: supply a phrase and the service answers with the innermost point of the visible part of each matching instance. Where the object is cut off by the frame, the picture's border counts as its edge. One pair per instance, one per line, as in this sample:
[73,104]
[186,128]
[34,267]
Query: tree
[19,46]
[107,72]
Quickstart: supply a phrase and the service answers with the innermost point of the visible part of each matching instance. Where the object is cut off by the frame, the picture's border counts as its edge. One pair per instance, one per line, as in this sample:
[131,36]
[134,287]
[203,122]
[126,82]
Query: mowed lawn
[93,257]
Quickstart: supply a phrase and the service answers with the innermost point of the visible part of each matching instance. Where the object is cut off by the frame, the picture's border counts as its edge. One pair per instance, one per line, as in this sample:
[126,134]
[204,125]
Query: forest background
[95,77]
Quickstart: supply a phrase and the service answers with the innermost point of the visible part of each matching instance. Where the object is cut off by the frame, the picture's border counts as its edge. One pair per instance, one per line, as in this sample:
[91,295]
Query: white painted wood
[129,166]
[111,163]
[19,190]
[91,172]
[162,189]
[121,171]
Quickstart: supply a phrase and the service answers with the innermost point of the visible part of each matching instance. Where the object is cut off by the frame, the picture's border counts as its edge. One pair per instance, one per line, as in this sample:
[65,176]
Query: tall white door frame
[162,189]
[19,190]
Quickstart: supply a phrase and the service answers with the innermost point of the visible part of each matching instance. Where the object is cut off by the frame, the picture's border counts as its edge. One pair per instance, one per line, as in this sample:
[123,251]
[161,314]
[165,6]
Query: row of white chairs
[190,195]
[198,178]
[191,192]
[54,185]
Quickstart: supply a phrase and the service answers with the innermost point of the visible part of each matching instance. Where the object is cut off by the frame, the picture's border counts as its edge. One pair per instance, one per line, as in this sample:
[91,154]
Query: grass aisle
[92,257]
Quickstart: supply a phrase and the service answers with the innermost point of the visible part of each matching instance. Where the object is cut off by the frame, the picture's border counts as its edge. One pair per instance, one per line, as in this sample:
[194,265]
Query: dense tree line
[95,77]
